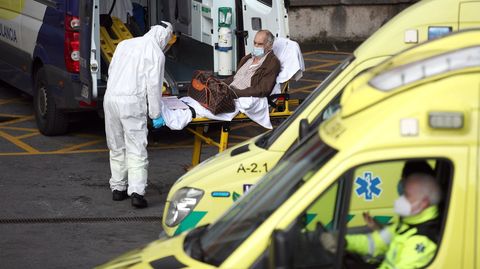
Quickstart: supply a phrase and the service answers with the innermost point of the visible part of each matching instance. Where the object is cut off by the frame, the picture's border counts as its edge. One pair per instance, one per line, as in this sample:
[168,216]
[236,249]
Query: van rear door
[264,14]
[88,52]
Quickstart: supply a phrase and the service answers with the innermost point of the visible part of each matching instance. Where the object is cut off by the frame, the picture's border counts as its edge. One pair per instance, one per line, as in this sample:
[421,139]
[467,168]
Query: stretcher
[281,106]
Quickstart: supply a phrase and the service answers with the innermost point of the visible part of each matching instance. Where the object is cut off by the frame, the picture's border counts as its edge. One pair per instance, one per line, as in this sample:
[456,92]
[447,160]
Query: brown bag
[211,93]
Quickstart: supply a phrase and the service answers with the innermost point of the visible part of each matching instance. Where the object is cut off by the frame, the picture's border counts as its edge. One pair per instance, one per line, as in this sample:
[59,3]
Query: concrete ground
[57,210]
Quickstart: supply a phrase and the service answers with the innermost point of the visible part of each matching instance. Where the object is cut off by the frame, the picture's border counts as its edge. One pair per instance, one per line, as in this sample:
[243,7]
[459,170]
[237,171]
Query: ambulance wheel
[50,120]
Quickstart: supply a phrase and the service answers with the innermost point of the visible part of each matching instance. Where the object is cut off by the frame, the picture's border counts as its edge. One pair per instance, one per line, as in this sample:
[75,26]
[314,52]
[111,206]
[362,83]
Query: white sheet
[291,60]
[255,108]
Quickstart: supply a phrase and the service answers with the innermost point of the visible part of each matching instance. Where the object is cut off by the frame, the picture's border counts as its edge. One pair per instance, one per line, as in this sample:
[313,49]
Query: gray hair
[428,187]
[270,37]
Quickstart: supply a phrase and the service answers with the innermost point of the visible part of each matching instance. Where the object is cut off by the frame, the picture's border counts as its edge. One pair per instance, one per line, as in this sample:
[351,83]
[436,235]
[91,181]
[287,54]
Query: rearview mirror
[279,251]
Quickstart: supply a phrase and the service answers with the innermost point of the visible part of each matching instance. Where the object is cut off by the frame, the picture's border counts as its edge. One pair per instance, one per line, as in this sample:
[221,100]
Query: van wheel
[50,120]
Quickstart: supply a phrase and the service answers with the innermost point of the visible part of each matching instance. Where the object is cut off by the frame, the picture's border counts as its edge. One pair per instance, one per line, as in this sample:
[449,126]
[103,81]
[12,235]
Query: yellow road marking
[78,146]
[321,71]
[322,60]
[312,68]
[239,137]
[6,101]
[161,147]
[12,115]
[18,142]
[52,152]
[326,52]
[18,128]
[303,88]
[305,91]
[20,119]
[27,135]
[311,80]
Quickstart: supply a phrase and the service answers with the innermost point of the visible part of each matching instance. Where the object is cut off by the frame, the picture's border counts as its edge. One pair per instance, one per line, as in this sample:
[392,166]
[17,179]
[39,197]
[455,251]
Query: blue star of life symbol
[368,186]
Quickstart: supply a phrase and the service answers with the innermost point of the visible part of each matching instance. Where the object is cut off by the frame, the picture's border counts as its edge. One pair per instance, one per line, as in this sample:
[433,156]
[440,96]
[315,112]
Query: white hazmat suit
[135,80]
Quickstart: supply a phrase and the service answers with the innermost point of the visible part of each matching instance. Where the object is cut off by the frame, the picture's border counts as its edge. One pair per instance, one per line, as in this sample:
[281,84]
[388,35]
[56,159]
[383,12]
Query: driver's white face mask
[403,207]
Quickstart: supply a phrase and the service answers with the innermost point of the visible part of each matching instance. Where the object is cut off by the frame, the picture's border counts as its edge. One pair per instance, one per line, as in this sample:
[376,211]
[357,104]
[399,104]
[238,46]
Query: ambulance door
[475,179]
[469,15]
[264,14]
[89,66]
[337,209]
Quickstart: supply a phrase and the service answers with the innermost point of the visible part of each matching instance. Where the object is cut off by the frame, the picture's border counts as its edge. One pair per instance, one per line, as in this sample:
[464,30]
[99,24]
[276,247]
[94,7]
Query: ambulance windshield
[237,224]
[268,139]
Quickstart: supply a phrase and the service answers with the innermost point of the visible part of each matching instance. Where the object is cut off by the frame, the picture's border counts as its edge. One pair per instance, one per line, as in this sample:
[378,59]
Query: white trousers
[126,131]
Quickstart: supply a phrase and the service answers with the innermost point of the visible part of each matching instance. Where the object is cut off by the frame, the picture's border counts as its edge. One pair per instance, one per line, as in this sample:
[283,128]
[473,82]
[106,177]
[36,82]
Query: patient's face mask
[258,52]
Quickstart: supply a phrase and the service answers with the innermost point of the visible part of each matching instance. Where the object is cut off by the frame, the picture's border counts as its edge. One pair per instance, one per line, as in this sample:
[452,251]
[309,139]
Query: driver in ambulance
[134,89]
[410,242]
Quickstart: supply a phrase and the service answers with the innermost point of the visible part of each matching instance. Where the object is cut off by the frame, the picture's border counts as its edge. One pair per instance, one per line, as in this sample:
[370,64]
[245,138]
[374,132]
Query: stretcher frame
[280,109]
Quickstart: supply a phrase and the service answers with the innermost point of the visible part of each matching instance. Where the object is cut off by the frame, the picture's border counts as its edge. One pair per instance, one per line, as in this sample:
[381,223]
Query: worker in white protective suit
[134,87]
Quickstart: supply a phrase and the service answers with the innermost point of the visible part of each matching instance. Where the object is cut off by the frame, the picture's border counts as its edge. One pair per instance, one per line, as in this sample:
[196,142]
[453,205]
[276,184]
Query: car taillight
[85,104]
[71,51]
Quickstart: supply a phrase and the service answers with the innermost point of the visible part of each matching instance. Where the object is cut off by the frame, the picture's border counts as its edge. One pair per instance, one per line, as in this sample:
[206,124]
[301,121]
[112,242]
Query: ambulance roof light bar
[409,73]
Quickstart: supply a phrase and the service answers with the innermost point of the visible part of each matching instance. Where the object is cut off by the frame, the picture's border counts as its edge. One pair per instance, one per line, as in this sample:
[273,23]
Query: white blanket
[291,60]
[255,108]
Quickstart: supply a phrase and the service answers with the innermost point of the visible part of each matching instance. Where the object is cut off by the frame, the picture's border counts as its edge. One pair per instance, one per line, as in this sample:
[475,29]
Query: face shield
[163,35]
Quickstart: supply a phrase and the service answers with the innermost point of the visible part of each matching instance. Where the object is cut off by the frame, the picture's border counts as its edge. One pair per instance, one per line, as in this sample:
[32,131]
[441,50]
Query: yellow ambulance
[420,105]
[204,193]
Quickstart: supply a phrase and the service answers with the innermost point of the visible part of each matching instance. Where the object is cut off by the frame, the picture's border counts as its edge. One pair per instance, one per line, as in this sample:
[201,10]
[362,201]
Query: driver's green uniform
[408,243]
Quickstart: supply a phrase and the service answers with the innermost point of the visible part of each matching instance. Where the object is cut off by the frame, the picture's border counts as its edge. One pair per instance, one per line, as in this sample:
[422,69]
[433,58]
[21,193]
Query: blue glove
[158,122]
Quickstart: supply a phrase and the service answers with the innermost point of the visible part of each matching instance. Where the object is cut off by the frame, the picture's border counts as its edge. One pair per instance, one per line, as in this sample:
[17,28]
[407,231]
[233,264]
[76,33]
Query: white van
[52,49]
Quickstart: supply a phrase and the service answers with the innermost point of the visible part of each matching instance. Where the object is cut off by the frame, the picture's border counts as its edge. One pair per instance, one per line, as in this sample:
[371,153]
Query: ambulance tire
[50,120]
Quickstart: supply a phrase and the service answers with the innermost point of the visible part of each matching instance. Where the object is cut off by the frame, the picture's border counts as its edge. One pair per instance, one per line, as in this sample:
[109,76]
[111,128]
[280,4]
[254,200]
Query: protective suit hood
[161,34]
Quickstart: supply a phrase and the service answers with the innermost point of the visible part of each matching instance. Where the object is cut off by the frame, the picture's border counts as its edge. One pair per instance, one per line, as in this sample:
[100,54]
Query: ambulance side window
[321,216]
[375,187]
[327,112]
[374,190]
[338,211]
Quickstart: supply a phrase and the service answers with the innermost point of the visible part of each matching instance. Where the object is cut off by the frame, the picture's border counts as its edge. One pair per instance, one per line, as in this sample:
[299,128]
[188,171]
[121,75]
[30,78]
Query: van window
[224,236]
[266,2]
[372,188]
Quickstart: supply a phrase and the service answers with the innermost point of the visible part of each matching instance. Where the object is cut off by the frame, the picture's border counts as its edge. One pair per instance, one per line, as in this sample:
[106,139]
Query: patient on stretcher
[257,77]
